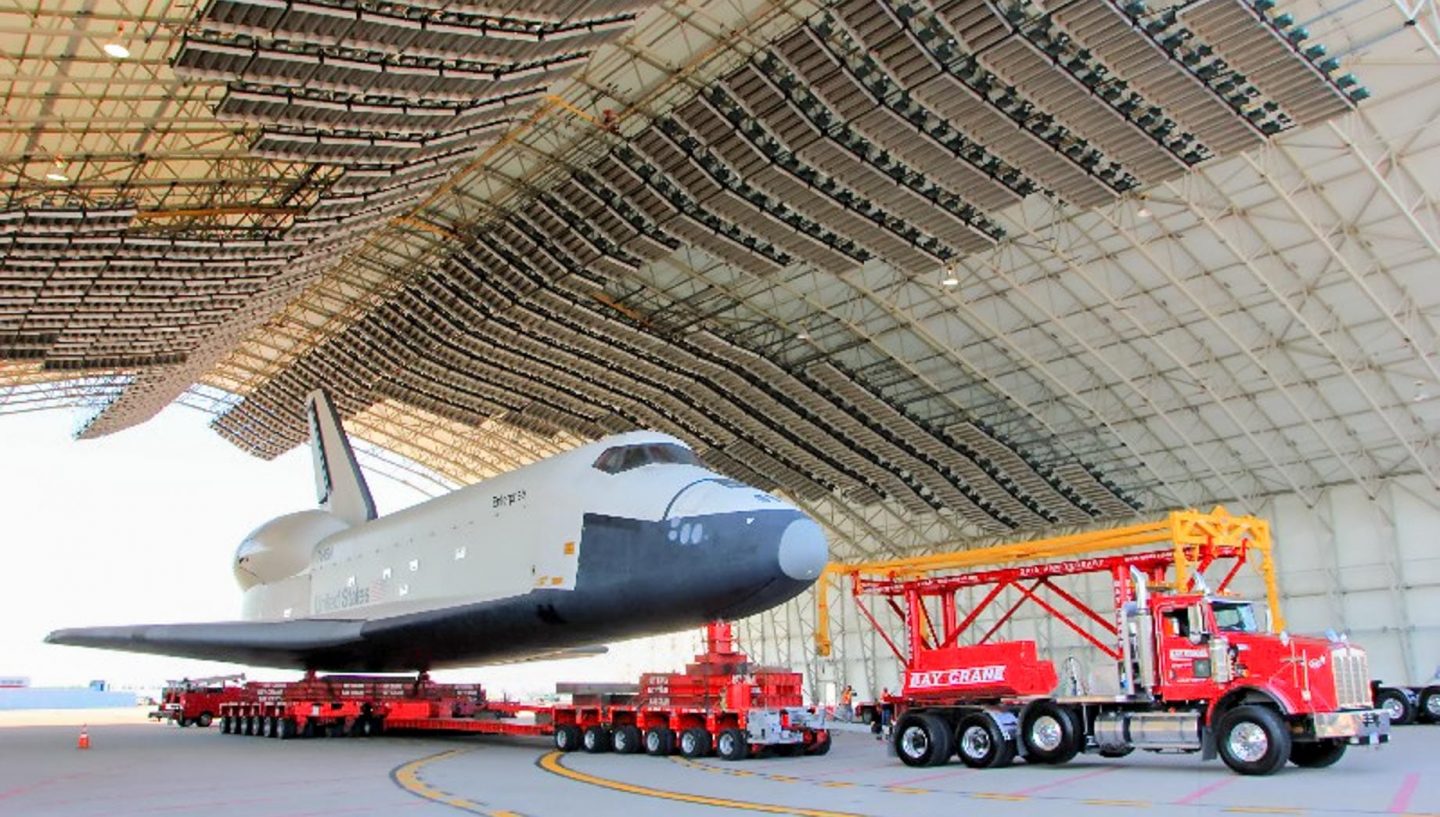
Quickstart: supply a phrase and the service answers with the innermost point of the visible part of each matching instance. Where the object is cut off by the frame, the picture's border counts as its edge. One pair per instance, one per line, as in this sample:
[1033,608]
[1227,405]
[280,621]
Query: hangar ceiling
[936,269]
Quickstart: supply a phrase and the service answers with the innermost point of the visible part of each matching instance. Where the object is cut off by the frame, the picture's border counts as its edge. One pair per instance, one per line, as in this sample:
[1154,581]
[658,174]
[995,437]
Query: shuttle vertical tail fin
[339,486]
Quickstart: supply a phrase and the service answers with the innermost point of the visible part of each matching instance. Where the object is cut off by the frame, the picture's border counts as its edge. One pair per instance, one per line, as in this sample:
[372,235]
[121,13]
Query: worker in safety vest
[847,703]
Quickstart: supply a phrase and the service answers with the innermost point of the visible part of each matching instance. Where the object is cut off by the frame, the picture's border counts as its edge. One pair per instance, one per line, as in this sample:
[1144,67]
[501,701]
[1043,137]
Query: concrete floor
[153,769]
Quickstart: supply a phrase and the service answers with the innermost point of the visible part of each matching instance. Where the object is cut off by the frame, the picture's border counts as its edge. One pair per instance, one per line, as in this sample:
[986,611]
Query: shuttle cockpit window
[625,457]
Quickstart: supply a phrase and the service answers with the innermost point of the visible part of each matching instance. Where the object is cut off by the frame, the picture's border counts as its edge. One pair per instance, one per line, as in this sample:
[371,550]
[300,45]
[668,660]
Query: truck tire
[182,721]
[1430,705]
[1397,705]
[821,745]
[626,739]
[659,741]
[567,737]
[225,725]
[595,739]
[695,742]
[1253,740]
[922,740]
[981,743]
[1317,755]
[204,720]
[732,744]
[1049,733]
[287,729]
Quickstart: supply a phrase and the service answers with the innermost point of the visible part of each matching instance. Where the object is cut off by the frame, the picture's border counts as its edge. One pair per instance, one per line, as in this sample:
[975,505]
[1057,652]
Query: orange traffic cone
[84,740]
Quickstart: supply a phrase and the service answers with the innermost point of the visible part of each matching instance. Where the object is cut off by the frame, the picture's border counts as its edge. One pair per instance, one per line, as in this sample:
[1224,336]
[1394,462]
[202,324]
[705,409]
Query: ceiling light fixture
[1143,212]
[57,176]
[949,280]
[116,50]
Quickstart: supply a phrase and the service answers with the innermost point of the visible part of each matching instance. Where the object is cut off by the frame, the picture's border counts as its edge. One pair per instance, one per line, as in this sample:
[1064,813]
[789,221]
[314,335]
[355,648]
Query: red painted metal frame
[920,623]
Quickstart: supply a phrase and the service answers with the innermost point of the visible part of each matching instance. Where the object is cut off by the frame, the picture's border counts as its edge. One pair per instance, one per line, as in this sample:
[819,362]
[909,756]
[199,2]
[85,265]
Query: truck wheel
[1253,740]
[981,743]
[821,746]
[1049,733]
[567,737]
[1430,705]
[204,720]
[287,728]
[1317,755]
[626,740]
[1116,751]
[225,725]
[922,740]
[695,743]
[1397,705]
[731,744]
[182,721]
[271,729]
[250,725]
[595,739]
[659,741]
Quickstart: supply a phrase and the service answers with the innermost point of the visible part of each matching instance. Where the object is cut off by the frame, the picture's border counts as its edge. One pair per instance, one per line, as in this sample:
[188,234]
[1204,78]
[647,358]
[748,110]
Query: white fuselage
[496,539]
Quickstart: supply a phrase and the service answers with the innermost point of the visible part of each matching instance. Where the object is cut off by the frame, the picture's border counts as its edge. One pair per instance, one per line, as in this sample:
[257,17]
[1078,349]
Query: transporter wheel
[695,742]
[1253,740]
[595,739]
[250,727]
[981,743]
[204,720]
[225,725]
[821,746]
[1430,705]
[659,741]
[626,740]
[1049,733]
[1317,755]
[732,744]
[272,728]
[1397,705]
[567,737]
[922,740]
[287,729]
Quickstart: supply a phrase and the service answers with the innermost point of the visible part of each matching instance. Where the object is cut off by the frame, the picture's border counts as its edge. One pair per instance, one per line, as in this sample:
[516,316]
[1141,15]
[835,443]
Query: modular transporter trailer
[720,704]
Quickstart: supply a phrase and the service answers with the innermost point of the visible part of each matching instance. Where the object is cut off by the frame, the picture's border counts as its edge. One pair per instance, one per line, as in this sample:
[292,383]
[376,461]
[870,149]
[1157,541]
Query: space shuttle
[624,537]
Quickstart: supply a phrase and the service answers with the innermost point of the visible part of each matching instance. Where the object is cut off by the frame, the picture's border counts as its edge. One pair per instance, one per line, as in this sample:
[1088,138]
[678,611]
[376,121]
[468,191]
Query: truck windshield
[1235,616]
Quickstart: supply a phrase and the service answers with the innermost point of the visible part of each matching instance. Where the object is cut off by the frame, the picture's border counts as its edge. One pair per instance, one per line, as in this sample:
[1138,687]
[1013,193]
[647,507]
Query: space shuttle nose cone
[803,551]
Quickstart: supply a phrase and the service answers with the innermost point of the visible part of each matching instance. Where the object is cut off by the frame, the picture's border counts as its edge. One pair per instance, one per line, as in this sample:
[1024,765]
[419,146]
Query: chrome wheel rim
[1395,709]
[1432,705]
[689,744]
[975,742]
[915,742]
[727,744]
[1046,734]
[652,742]
[1248,742]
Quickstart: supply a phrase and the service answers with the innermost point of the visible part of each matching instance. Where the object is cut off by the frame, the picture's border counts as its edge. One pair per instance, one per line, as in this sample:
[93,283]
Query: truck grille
[1352,678]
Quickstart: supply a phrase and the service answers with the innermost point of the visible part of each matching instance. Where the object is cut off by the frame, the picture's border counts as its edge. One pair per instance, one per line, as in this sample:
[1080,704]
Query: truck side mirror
[1197,622]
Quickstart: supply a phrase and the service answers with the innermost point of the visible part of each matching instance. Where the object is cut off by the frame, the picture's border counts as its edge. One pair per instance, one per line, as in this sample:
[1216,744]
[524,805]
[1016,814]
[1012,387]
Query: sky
[140,527]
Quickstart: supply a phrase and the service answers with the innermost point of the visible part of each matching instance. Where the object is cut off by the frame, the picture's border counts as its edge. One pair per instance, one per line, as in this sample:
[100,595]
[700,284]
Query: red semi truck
[1197,670]
[197,701]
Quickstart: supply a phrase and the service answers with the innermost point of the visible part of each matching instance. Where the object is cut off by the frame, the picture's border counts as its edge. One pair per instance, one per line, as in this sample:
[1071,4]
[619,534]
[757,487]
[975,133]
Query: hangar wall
[1363,560]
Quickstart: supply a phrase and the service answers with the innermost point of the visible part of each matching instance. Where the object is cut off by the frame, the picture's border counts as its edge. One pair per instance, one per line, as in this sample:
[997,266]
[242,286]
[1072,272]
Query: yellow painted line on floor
[905,790]
[407,777]
[551,763]
[1264,810]
[1125,803]
[995,795]
[837,784]
[785,778]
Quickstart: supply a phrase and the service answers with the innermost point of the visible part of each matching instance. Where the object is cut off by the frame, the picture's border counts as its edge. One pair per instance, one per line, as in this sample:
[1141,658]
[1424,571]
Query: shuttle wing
[267,643]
